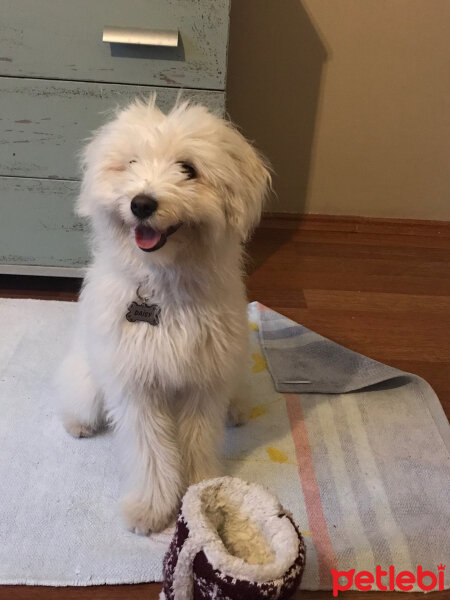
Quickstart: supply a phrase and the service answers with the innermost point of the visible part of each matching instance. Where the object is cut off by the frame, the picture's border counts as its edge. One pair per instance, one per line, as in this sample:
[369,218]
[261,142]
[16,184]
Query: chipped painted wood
[37,225]
[44,122]
[34,270]
[63,40]
[57,81]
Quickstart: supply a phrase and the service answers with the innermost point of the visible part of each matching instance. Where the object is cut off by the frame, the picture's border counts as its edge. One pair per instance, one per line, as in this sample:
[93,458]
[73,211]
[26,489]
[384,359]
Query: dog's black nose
[143,206]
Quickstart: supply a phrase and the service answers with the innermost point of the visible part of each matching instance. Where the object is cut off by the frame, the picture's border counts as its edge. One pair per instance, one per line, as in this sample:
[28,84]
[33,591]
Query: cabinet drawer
[58,39]
[43,123]
[37,225]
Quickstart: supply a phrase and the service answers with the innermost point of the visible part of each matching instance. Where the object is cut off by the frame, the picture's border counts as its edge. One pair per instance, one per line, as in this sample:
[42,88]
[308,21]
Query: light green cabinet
[57,79]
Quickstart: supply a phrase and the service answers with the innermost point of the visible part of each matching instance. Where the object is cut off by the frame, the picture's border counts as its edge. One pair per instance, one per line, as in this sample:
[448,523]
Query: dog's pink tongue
[146,237]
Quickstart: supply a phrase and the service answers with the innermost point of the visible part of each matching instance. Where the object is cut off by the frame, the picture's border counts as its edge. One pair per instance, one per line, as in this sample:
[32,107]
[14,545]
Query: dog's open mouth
[149,239]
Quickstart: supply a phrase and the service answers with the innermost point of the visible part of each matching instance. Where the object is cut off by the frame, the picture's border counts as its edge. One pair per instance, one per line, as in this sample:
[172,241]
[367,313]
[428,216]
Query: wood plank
[307,595]
[343,260]
[313,279]
[397,240]
[150,591]
[356,224]
[38,226]
[375,251]
[45,123]
[382,336]
[349,261]
[411,304]
[76,51]
[267,296]
[143,591]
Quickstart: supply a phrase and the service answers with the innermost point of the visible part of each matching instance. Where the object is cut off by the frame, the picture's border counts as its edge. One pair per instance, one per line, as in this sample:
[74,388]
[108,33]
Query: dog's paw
[143,518]
[78,429]
[238,413]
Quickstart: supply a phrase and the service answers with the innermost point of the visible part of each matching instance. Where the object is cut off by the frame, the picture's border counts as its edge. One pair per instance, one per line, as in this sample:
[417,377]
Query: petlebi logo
[390,580]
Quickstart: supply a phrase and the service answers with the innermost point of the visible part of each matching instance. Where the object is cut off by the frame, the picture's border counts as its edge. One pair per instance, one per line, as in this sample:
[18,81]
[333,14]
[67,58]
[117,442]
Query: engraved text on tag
[149,313]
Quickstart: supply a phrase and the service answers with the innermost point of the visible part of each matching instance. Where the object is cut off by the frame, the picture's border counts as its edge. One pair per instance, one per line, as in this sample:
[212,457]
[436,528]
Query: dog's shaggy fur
[165,388]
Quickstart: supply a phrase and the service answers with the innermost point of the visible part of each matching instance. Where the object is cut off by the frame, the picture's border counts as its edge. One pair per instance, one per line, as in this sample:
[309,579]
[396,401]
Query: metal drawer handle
[143,37]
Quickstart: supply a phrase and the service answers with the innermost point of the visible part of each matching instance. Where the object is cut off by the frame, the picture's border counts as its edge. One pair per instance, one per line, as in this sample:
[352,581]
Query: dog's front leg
[81,400]
[201,424]
[147,426]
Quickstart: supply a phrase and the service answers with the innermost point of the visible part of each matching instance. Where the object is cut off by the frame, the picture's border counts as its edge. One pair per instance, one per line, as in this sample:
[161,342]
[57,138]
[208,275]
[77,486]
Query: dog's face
[160,183]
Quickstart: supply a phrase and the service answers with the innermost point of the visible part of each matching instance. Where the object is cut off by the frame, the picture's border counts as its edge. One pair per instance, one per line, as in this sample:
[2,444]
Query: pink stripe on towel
[317,524]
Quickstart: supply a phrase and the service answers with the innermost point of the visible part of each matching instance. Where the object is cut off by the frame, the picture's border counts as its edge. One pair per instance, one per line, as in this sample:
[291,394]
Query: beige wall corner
[350,101]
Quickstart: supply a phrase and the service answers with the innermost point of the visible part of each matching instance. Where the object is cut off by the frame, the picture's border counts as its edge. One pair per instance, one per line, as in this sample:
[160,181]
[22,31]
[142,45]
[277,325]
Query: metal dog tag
[149,313]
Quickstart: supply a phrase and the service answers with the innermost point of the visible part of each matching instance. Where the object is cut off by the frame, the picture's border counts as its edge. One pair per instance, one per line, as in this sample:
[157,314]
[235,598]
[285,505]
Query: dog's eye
[132,161]
[188,170]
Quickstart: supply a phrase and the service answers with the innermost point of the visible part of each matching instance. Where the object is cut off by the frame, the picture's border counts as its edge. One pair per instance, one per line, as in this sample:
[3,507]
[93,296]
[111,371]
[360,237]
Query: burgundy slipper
[233,541]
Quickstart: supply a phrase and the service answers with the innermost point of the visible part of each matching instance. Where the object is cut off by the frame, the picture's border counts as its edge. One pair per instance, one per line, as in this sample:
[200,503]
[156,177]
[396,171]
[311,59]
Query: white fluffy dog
[170,199]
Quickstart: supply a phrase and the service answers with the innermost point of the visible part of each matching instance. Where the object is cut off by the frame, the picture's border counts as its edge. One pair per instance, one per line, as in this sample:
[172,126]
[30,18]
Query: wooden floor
[378,287]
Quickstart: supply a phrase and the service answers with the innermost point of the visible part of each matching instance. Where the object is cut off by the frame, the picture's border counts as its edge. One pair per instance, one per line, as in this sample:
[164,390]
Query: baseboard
[346,223]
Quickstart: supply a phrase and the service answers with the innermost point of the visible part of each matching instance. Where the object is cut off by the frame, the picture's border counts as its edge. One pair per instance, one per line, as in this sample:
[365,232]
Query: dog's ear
[98,161]
[249,184]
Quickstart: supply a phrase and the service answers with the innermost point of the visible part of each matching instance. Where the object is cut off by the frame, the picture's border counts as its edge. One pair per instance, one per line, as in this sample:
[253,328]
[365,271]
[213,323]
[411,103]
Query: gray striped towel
[373,457]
